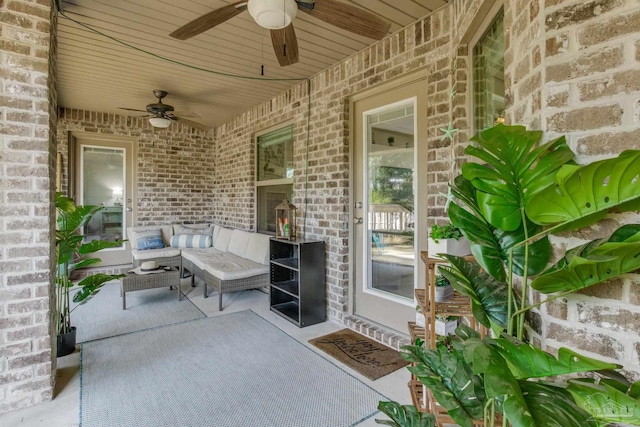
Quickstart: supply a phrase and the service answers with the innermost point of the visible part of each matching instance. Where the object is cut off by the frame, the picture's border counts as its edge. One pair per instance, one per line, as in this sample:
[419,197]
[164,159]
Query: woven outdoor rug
[368,357]
[103,316]
[233,370]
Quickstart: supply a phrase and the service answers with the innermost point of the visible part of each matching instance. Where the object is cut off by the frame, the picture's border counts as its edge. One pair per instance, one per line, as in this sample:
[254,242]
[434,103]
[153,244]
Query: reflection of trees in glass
[389,185]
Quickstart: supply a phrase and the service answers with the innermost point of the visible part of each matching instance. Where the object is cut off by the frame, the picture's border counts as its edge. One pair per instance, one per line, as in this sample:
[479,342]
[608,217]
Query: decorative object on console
[286,220]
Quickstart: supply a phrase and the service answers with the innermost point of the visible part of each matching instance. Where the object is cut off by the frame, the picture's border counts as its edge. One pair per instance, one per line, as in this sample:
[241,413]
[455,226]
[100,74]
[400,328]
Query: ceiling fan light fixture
[160,122]
[272,14]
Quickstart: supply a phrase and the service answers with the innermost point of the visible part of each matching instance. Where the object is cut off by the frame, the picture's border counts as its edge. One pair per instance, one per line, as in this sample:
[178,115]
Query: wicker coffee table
[139,282]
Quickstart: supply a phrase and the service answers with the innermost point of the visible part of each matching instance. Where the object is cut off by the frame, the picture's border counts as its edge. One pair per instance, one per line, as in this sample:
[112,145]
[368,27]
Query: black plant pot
[66,343]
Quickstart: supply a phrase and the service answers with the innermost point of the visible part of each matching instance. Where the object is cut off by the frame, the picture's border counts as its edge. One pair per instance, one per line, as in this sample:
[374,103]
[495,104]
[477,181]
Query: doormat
[366,356]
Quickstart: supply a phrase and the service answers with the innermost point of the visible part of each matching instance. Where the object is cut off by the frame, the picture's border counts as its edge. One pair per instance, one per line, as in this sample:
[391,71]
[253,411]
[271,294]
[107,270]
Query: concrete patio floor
[63,410]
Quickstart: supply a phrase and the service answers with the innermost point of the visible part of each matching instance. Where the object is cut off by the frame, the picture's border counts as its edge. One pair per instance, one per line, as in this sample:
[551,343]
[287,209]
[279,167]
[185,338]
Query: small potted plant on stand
[446,325]
[444,290]
[70,255]
[447,239]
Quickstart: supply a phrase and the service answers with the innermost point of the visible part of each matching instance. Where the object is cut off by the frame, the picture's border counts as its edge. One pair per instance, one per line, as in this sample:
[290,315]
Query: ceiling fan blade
[187,114]
[350,18]
[209,20]
[132,109]
[193,124]
[285,45]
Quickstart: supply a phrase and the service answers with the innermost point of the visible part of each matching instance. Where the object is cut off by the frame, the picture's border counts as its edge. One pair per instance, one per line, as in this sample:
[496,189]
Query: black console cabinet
[297,290]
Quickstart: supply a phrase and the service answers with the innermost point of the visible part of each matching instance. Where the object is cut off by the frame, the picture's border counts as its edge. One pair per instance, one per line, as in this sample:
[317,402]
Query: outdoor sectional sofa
[226,259]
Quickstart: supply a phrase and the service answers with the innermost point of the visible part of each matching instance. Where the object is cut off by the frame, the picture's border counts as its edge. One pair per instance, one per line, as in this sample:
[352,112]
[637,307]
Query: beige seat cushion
[146,254]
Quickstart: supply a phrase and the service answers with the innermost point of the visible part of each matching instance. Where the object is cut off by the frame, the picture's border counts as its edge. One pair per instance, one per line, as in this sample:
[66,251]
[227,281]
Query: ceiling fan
[277,16]
[162,115]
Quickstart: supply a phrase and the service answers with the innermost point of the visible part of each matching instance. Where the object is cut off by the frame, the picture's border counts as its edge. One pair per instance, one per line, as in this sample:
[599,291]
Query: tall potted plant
[71,254]
[507,207]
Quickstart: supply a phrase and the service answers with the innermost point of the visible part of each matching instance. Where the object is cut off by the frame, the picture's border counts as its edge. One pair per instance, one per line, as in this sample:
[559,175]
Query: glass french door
[103,178]
[389,210]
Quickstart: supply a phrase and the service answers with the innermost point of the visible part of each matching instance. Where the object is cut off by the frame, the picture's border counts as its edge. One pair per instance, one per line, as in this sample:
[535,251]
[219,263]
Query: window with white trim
[274,175]
[488,76]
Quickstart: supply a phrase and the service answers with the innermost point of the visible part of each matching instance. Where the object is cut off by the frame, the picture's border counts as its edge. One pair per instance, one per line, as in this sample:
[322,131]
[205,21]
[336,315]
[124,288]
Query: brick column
[27,153]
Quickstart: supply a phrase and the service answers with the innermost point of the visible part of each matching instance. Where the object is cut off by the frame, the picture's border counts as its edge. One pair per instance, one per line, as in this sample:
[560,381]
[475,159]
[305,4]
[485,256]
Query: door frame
[73,174]
[414,76]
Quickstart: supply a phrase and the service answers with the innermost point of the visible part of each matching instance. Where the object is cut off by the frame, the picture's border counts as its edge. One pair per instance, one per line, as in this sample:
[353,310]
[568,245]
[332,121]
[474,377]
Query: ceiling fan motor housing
[272,14]
[158,107]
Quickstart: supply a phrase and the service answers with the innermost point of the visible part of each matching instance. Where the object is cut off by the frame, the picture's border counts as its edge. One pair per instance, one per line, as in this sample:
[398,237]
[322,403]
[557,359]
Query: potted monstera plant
[507,205]
[72,254]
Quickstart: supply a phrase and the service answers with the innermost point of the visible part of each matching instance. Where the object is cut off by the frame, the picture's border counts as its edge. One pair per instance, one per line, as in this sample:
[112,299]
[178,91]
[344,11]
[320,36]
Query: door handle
[358,205]
[357,220]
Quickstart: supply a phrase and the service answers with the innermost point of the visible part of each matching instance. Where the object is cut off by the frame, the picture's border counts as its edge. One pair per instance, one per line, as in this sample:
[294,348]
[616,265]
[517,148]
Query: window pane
[390,170]
[269,197]
[103,181]
[275,154]
[488,77]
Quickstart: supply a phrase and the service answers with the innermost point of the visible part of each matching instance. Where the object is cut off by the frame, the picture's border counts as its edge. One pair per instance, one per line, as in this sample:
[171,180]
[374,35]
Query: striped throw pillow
[191,241]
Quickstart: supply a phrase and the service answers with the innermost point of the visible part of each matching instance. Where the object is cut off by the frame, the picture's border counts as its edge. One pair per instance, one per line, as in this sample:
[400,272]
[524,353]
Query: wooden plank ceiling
[96,73]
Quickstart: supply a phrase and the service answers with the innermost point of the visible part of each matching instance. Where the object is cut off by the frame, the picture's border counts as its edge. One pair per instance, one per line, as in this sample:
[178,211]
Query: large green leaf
[404,416]
[589,191]
[594,262]
[450,379]
[64,203]
[515,170]
[548,406]
[488,296]
[73,220]
[67,247]
[91,285]
[528,361]
[605,403]
[491,246]
[526,404]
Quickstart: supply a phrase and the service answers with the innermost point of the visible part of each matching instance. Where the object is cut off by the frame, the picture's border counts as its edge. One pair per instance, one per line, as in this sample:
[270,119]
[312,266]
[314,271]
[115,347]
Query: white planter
[446,328]
[458,247]
[444,293]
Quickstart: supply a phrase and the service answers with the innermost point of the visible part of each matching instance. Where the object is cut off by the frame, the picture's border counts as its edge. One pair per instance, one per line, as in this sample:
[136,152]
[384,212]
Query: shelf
[286,262]
[288,310]
[459,305]
[297,276]
[416,331]
[416,389]
[289,286]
